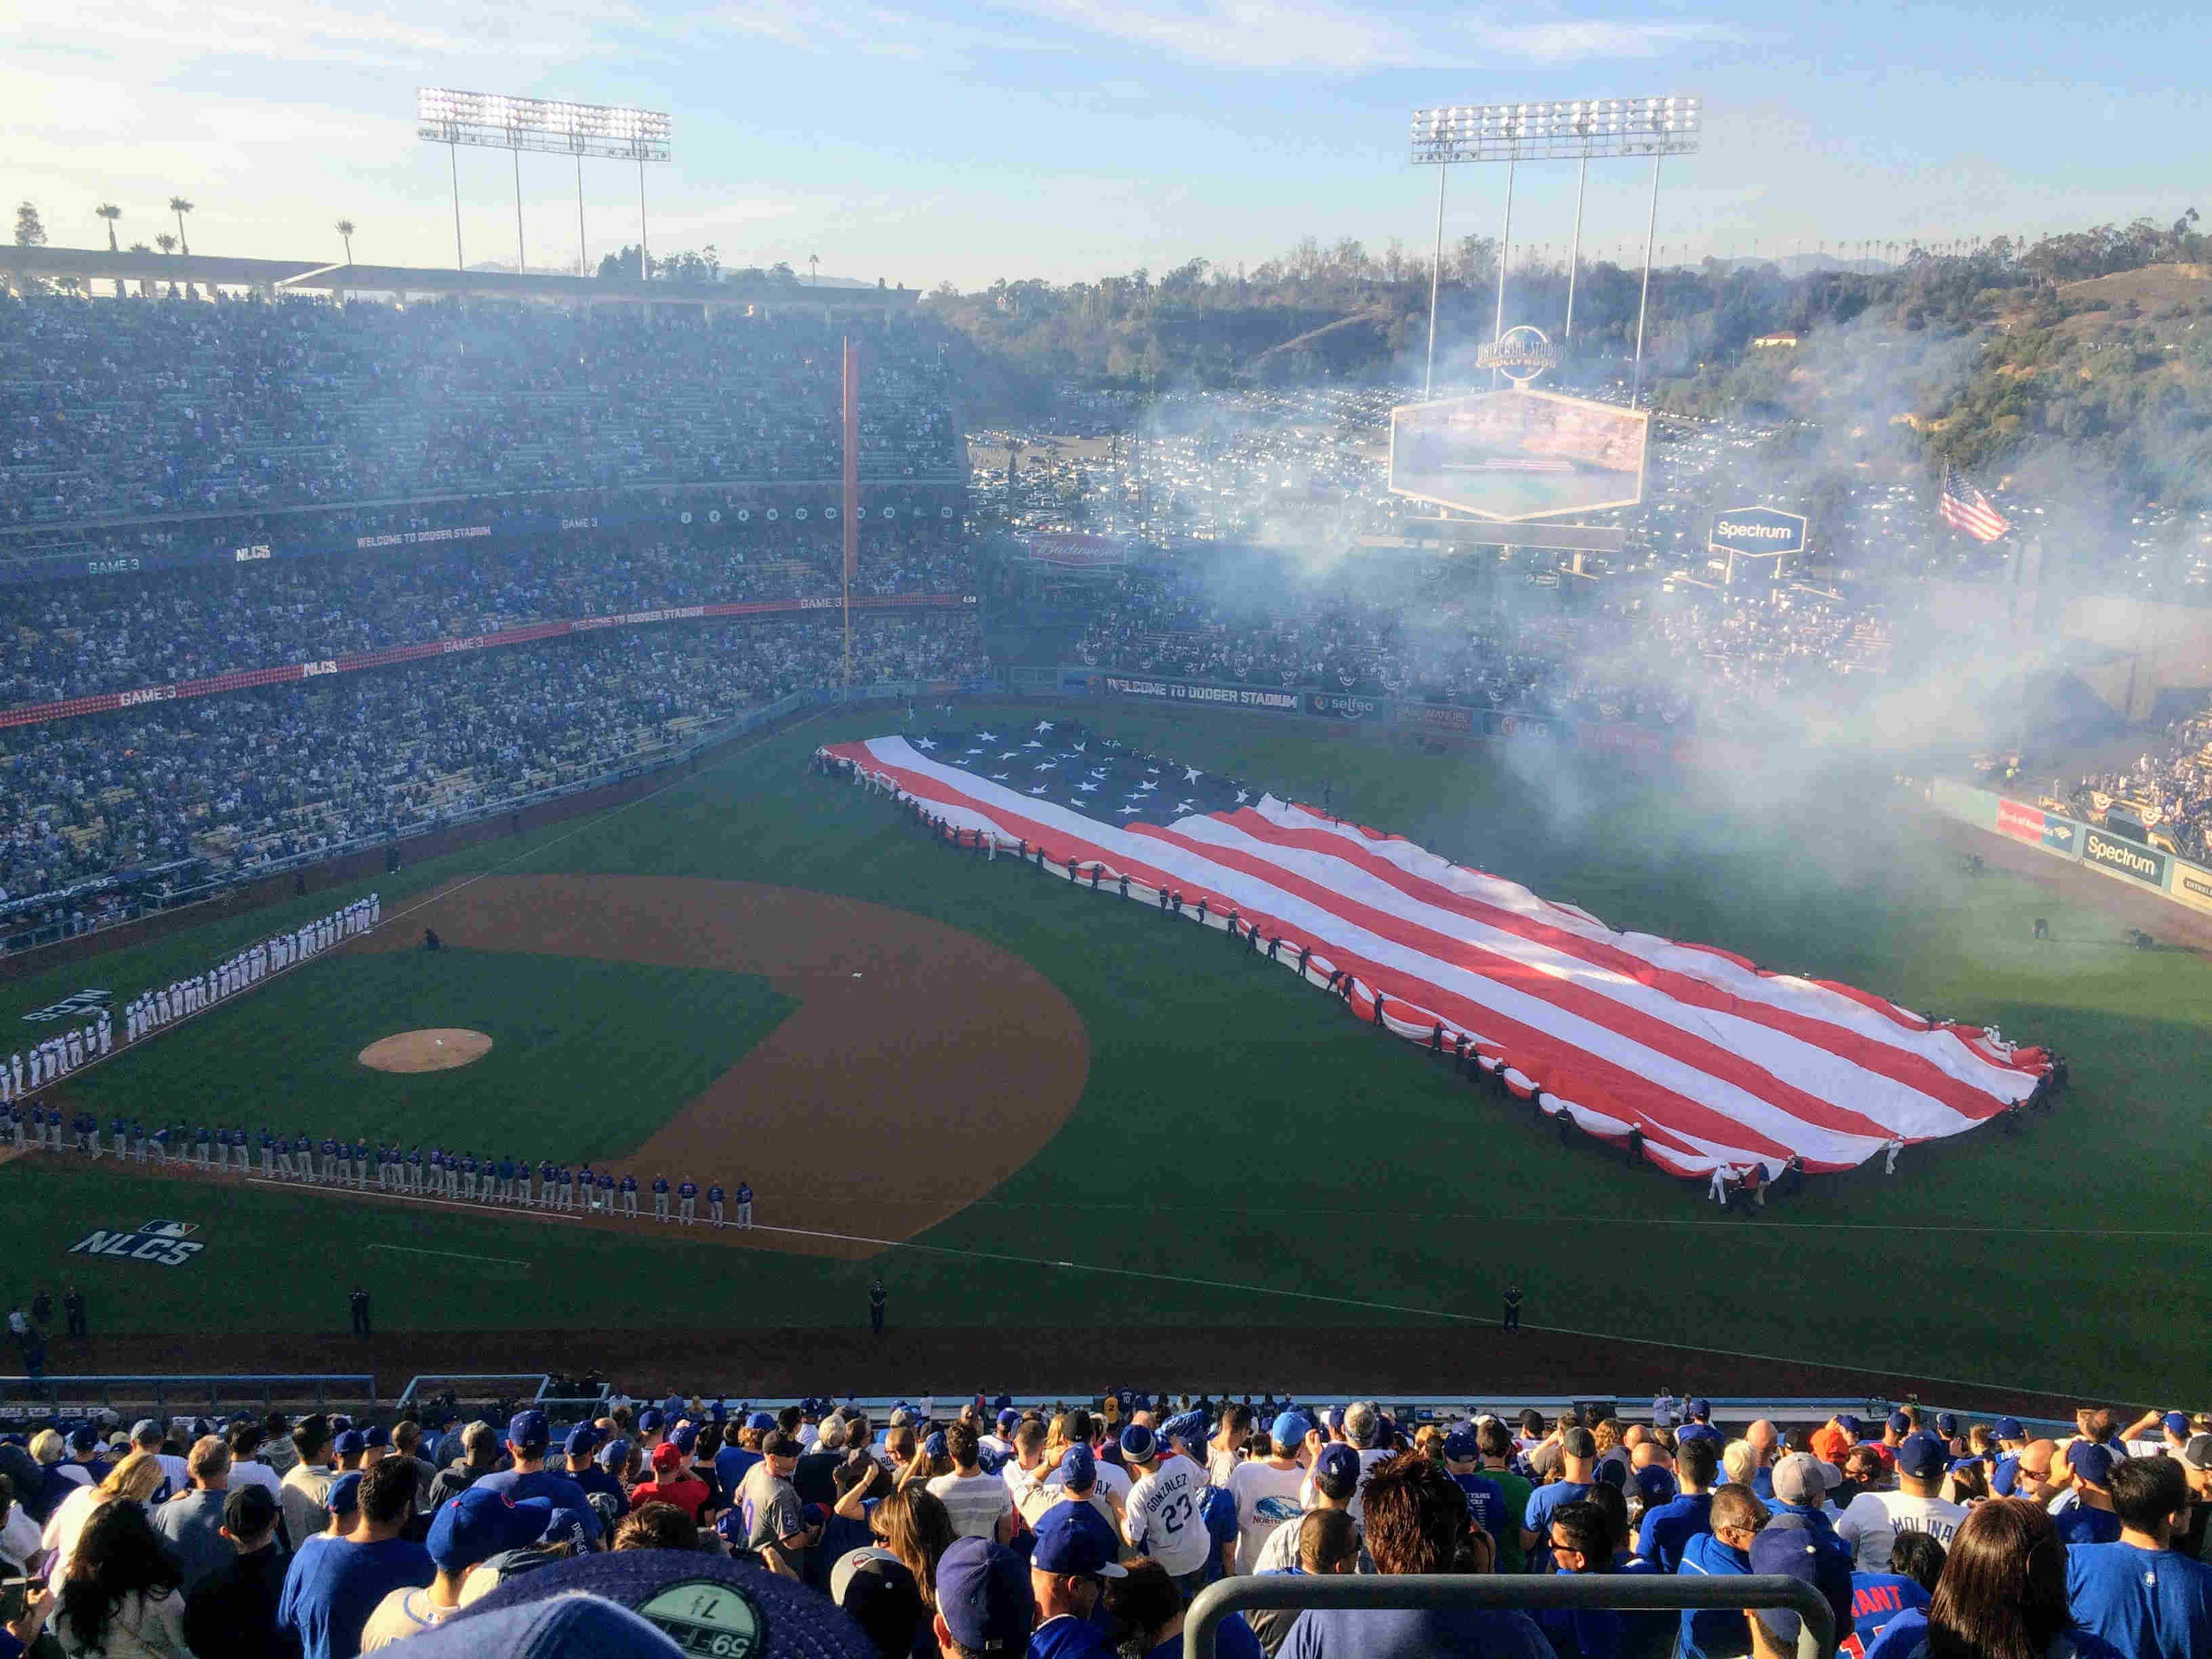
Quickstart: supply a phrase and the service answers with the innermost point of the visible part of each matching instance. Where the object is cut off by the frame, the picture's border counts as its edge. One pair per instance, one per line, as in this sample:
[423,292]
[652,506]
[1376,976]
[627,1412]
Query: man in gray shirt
[192,1521]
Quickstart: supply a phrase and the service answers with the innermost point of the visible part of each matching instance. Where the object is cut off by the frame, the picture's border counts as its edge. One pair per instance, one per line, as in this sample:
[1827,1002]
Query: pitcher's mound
[439,1050]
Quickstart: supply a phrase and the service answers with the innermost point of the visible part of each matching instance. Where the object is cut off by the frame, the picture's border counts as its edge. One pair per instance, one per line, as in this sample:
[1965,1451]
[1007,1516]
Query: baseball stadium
[1123,1011]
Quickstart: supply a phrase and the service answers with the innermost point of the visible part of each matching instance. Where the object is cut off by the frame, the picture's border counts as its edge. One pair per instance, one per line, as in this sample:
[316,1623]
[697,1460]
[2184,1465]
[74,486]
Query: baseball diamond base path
[773,1363]
[922,1066]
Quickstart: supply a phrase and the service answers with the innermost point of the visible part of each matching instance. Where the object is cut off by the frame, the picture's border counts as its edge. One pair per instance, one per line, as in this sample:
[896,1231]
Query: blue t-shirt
[1542,1501]
[329,1592]
[1070,1637]
[596,1478]
[1411,1633]
[1232,1639]
[1878,1597]
[2153,1604]
[1668,1528]
[1713,1630]
[730,1464]
[2080,1524]
[1486,1501]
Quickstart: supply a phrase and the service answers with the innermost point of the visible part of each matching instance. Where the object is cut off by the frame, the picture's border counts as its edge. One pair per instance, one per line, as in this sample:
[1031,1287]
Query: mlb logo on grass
[164,1244]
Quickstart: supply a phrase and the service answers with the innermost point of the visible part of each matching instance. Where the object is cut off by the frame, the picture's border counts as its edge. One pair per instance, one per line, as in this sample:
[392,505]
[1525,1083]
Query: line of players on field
[437,1173]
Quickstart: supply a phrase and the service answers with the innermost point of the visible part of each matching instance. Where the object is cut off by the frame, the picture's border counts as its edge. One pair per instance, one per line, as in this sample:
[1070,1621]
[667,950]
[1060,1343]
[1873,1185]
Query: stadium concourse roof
[270,277]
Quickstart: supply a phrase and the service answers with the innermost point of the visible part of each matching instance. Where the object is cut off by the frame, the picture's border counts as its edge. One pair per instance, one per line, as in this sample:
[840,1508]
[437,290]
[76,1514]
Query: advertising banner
[1338,706]
[1438,718]
[2020,823]
[2122,857]
[2061,836]
[1518,454]
[1223,697]
[2192,885]
[1074,551]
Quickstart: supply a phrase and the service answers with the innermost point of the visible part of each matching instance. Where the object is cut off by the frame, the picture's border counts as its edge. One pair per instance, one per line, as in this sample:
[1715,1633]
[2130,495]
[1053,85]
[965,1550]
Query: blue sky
[1072,138]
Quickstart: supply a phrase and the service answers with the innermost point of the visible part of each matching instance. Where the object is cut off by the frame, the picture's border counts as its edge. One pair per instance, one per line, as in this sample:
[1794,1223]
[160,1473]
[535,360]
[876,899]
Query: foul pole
[851,502]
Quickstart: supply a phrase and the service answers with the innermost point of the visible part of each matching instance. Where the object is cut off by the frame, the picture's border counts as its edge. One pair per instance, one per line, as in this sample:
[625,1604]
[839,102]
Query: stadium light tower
[1580,130]
[491,120]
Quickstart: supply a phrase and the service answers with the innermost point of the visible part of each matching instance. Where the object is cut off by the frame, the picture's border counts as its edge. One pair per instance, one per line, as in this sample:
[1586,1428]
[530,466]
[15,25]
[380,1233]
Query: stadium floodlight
[1579,130]
[493,120]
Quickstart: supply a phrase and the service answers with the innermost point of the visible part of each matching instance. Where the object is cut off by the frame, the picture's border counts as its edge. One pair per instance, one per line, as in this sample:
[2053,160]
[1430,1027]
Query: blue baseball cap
[566,1523]
[1336,1471]
[378,1435]
[1074,1538]
[1078,1469]
[2009,1428]
[83,1438]
[684,1438]
[614,1454]
[1922,1455]
[1699,1408]
[479,1524]
[351,1443]
[2176,1423]
[1009,1418]
[1946,1423]
[760,1420]
[576,1627]
[700,1602]
[345,1495]
[1190,1428]
[1785,1551]
[649,1420]
[2090,1462]
[583,1440]
[529,1430]
[1460,1445]
[1137,1442]
[1335,1418]
[1899,1423]
[1849,1424]
[1656,1484]
[983,1596]
[1291,1429]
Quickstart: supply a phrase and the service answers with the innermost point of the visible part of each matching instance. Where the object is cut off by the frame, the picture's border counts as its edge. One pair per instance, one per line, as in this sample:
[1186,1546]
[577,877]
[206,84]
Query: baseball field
[1073,1139]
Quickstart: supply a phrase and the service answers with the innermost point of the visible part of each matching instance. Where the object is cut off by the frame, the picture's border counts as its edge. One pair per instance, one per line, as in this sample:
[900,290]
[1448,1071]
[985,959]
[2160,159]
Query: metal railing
[1509,1592]
[58,1393]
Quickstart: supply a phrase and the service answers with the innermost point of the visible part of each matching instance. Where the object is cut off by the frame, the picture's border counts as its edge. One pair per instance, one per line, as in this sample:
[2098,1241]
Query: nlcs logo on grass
[164,1244]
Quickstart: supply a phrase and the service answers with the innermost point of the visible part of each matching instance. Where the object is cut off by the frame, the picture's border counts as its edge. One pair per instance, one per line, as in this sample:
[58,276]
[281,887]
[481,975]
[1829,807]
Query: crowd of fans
[74,638]
[2169,794]
[151,406]
[250,777]
[1438,628]
[1076,1532]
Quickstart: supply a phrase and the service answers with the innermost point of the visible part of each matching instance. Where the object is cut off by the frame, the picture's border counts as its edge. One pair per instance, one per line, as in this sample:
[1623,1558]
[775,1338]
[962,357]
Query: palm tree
[345,231]
[110,212]
[165,242]
[813,268]
[180,207]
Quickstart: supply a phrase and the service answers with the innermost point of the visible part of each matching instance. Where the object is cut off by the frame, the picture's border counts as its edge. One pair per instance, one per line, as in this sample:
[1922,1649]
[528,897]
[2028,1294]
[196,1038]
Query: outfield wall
[1448,722]
[2147,868]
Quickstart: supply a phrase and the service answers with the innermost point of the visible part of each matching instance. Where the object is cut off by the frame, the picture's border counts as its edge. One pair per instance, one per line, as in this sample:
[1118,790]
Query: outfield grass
[587,1058]
[1246,1154]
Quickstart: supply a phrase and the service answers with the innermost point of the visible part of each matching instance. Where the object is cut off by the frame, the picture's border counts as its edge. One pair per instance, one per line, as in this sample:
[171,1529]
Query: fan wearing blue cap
[1076,1552]
[529,1436]
[984,1603]
[2141,1593]
[1265,1488]
[1161,1518]
[330,1591]
[1784,1549]
[580,1451]
[2089,1518]
[466,1530]
[1871,1523]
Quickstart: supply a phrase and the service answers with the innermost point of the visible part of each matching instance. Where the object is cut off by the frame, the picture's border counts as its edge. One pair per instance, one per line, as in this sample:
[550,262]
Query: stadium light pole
[1504,256]
[493,120]
[1643,297]
[1575,247]
[1436,275]
[1582,130]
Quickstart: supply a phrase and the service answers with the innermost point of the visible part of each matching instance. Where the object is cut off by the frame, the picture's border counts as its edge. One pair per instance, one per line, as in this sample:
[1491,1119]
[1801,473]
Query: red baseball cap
[666,1457]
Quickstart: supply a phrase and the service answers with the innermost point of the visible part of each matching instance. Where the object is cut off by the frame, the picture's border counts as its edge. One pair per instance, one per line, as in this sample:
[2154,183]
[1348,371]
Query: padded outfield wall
[2146,868]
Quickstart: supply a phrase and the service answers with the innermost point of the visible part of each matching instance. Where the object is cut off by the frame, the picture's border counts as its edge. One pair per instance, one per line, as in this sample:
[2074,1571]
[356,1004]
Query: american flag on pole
[1716,1060]
[1965,507]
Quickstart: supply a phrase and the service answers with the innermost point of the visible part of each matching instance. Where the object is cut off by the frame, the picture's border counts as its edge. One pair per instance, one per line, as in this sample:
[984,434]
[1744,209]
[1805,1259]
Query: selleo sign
[2126,858]
[2020,823]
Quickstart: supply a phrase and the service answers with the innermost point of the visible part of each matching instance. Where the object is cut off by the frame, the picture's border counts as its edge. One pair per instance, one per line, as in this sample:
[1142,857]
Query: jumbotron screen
[1516,454]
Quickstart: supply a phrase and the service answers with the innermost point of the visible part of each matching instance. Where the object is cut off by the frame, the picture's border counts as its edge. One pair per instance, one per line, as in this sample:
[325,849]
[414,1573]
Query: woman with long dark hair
[2002,1595]
[120,1600]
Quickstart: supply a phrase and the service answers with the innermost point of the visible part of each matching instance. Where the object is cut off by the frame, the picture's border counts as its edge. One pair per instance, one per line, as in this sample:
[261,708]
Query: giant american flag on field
[1715,1059]
[1965,507]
